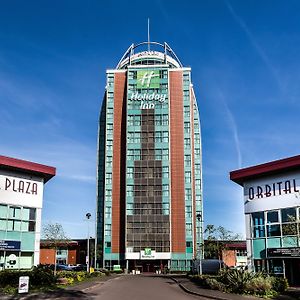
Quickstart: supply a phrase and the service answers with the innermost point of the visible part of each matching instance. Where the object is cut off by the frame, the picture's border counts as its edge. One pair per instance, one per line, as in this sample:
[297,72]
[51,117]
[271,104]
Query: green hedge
[75,276]
[38,277]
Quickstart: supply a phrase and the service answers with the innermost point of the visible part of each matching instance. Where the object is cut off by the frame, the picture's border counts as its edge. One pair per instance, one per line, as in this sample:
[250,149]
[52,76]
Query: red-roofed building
[21,200]
[235,254]
[71,252]
[272,212]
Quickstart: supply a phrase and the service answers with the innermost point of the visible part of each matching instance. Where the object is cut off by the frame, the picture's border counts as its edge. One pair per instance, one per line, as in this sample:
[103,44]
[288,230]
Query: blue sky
[245,59]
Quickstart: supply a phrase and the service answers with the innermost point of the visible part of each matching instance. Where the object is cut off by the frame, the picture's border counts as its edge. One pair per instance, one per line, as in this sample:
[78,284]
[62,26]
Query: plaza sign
[23,190]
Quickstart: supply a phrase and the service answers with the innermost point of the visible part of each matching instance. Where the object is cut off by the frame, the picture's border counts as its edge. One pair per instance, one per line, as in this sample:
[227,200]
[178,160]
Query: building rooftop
[270,168]
[149,53]
[23,166]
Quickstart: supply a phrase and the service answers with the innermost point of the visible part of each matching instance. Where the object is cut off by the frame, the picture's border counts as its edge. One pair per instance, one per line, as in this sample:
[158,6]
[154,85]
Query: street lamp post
[199,218]
[88,216]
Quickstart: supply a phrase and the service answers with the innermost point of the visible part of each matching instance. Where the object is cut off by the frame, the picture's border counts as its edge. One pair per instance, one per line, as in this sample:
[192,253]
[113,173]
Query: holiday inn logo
[148,79]
[147,251]
[147,89]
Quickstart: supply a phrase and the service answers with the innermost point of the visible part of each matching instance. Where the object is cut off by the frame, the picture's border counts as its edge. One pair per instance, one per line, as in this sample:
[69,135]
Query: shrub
[201,280]
[236,280]
[97,274]
[116,271]
[105,271]
[38,277]
[41,276]
[243,281]
[75,275]
[10,277]
[279,284]
[9,290]
[259,285]
[214,284]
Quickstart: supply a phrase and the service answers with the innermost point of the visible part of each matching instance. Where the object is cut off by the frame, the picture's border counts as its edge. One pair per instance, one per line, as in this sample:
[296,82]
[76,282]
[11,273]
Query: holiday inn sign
[148,80]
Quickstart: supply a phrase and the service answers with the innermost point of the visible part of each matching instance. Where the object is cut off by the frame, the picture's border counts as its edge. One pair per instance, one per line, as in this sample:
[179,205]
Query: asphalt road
[124,287]
[133,287]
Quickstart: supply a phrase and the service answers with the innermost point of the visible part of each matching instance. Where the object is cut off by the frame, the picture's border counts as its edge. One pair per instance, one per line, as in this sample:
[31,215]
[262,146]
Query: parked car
[61,267]
[79,267]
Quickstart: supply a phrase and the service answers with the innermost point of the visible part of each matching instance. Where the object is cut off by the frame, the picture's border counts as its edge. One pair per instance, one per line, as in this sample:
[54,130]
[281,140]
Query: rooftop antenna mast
[148,34]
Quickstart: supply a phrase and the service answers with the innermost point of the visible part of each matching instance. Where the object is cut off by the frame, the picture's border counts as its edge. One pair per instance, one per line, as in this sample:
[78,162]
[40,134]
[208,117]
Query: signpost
[23,284]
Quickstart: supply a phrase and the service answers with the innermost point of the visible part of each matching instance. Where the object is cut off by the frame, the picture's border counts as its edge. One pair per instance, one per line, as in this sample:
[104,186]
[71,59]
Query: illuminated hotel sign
[147,80]
[148,254]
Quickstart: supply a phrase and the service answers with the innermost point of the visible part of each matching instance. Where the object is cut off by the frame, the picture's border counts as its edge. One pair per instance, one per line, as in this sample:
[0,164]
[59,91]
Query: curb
[195,293]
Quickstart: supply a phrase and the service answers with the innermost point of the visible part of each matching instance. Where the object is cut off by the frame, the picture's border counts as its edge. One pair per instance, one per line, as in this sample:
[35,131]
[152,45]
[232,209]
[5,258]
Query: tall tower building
[149,193]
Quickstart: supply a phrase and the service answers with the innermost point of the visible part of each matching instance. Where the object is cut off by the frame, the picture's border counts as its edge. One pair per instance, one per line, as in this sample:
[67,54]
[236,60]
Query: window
[187,142]
[189,244]
[240,252]
[288,215]
[165,172]
[187,160]
[187,176]
[188,228]
[289,229]
[272,217]
[188,192]
[187,127]
[165,136]
[2,224]
[107,229]
[258,221]
[289,225]
[258,231]
[188,211]
[273,230]
[108,212]
[165,154]
[186,111]
[258,218]
[14,212]
[3,211]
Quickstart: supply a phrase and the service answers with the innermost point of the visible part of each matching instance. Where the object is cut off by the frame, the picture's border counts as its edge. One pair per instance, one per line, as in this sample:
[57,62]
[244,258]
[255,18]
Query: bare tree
[55,235]
[216,238]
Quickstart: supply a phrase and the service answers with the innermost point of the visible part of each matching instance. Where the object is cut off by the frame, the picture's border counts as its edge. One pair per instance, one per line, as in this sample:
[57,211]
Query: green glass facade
[135,194]
[17,224]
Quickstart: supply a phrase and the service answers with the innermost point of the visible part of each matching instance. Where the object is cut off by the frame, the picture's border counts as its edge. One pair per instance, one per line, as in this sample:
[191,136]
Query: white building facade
[272,215]
[21,200]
